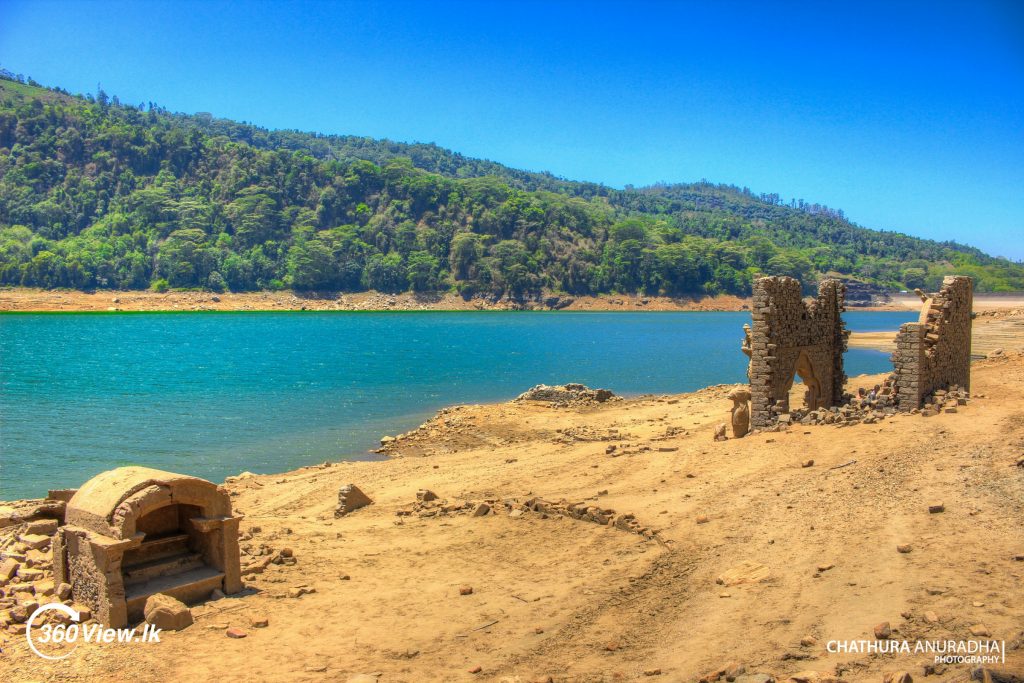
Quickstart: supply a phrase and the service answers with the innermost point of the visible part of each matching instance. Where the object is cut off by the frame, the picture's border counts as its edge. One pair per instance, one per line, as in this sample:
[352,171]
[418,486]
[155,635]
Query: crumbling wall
[935,352]
[792,337]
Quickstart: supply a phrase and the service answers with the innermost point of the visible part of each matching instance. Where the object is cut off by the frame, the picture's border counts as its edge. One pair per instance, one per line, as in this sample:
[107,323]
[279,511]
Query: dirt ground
[812,551]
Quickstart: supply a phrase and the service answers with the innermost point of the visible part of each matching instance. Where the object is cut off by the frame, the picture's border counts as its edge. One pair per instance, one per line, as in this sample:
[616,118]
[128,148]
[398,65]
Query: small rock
[808,641]
[931,617]
[235,632]
[344,577]
[259,622]
[466,590]
[35,541]
[425,495]
[883,630]
[807,463]
[980,630]
[652,672]
[216,594]
[825,567]
[476,669]
[937,507]
[703,519]
[45,527]
[903,548]
[481,509]
[167,613]
[897,677]
[611,646]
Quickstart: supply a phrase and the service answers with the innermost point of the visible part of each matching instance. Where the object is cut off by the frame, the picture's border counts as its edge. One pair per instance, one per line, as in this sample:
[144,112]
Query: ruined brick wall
[793,337]
[935,352]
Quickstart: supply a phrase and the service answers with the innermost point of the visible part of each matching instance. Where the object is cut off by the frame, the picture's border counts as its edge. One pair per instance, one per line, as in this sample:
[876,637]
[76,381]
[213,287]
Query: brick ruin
[791,338]
[796,338]
[935,352]
[133,532]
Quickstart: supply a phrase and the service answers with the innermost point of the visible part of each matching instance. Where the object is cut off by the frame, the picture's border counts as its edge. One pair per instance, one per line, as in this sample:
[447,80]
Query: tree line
[98,194]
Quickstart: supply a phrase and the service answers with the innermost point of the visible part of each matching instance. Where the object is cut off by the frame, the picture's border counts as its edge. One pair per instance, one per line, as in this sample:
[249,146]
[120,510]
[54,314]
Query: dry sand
[580,602]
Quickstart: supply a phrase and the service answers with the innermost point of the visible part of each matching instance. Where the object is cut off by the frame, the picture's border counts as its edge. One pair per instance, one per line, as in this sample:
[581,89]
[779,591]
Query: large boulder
[350,498]
[167,613]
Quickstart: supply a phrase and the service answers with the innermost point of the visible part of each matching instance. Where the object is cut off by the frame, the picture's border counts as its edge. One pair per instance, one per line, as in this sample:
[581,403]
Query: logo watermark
[69,635]
[944,651]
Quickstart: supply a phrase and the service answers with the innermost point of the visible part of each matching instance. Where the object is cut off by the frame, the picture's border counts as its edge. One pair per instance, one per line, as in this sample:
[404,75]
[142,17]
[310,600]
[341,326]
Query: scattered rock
[931,617]
[703,519]
[980,630]
[897,677]
[476,669]
[235,632]
[652,672]
[167,613]
[425,495]
[44,527]
[807,463]
[466,590]
[903,548]
[883,630]
[350,498]
[808,641]
[481,509]
[825,567]
[937,507]
[720,432]
[259,622]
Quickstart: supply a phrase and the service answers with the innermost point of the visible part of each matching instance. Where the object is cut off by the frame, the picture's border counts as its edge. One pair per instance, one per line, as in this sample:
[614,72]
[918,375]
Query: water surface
[214,394]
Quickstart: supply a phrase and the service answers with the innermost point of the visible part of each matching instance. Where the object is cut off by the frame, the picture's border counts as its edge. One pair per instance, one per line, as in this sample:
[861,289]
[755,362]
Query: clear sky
[908,116]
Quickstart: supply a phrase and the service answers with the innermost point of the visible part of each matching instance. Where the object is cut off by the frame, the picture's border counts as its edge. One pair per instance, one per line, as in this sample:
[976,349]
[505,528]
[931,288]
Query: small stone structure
[134,532]
[350,499]
[935,352]
[792,337]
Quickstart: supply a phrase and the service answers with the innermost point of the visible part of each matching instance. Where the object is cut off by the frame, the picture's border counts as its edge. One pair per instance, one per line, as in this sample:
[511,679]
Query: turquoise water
[216,394]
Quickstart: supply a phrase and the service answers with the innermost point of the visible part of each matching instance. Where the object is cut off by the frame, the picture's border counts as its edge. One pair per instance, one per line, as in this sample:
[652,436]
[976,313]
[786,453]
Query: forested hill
[97,194]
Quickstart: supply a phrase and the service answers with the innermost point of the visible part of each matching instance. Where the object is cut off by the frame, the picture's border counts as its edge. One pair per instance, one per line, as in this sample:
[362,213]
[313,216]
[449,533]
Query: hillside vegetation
[97,194]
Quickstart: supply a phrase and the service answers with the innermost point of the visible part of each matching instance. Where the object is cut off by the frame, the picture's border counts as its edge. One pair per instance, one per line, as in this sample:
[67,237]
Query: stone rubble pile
[26,576]
[257,557]
[427,506]
[561,396]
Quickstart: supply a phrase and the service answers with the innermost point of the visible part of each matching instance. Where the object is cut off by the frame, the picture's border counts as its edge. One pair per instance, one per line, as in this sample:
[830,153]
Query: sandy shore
[992,331]
[26,299]
[29,299]
[807,554]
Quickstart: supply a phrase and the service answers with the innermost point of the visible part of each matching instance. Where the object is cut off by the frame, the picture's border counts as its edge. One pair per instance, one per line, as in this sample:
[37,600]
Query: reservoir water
[215,394]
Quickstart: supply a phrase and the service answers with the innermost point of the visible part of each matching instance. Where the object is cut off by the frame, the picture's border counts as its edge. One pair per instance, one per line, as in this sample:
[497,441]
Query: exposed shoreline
[997,330]
[742,534]
[28,299]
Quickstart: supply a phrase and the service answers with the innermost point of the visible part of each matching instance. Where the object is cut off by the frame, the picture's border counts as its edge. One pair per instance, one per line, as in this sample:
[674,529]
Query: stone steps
[165,546]
[161,566]
[190,587]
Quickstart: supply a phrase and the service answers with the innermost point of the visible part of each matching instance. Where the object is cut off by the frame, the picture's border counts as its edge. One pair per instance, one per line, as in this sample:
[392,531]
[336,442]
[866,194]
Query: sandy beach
[751,559]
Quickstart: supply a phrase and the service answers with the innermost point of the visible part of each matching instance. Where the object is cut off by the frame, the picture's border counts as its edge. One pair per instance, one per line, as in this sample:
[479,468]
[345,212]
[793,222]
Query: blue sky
[908,116]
